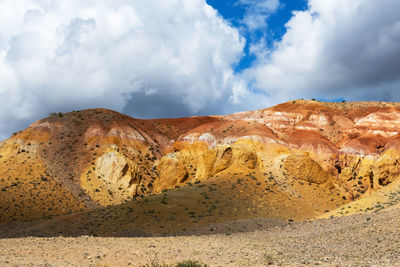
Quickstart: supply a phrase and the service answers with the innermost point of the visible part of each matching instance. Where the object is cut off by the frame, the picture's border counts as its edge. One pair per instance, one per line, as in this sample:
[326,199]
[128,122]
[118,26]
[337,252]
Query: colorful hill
[109,174]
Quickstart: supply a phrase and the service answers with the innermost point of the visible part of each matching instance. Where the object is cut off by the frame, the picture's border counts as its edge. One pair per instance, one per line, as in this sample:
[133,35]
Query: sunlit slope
[386,198]
[27,190]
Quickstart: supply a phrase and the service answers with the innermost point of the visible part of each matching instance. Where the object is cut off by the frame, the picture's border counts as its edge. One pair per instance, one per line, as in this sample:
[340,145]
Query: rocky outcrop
[300,166]
[198,161]
[112,179]
[172,172]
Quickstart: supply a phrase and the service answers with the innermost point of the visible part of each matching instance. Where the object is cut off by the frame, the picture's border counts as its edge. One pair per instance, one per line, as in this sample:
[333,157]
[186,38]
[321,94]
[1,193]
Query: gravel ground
[358,240]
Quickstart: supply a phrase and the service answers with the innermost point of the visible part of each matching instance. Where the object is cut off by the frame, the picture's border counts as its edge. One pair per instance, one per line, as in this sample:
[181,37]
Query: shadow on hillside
[49,228]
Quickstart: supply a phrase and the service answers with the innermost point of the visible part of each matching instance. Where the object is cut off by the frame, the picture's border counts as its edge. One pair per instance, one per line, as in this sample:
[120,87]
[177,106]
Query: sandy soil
[358,240]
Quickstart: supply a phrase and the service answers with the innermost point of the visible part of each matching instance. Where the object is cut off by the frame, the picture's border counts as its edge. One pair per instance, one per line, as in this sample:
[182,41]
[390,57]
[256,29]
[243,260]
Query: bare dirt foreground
[358,240]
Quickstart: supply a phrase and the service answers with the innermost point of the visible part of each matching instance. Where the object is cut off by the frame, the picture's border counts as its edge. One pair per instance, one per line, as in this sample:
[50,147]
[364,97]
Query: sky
[175,58]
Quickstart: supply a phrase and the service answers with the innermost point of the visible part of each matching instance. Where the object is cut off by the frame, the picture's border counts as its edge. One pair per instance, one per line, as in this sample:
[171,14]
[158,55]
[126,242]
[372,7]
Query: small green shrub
[190,263]
[187,263]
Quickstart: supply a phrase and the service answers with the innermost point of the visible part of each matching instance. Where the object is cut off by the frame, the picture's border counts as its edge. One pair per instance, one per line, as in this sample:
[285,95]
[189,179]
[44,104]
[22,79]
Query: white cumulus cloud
[334,49]
[257,12]
[149,58]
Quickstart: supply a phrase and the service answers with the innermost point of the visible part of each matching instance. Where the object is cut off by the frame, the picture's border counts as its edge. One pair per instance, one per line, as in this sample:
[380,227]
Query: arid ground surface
[357,240]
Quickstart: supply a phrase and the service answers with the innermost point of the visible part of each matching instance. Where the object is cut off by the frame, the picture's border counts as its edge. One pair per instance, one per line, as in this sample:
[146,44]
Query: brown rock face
[310,151]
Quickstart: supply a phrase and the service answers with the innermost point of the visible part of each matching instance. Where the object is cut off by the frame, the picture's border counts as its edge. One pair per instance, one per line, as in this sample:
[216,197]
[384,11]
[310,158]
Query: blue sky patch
[234,13]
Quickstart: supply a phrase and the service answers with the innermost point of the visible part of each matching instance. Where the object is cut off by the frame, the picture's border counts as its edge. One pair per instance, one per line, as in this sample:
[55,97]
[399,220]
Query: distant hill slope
[298,160]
